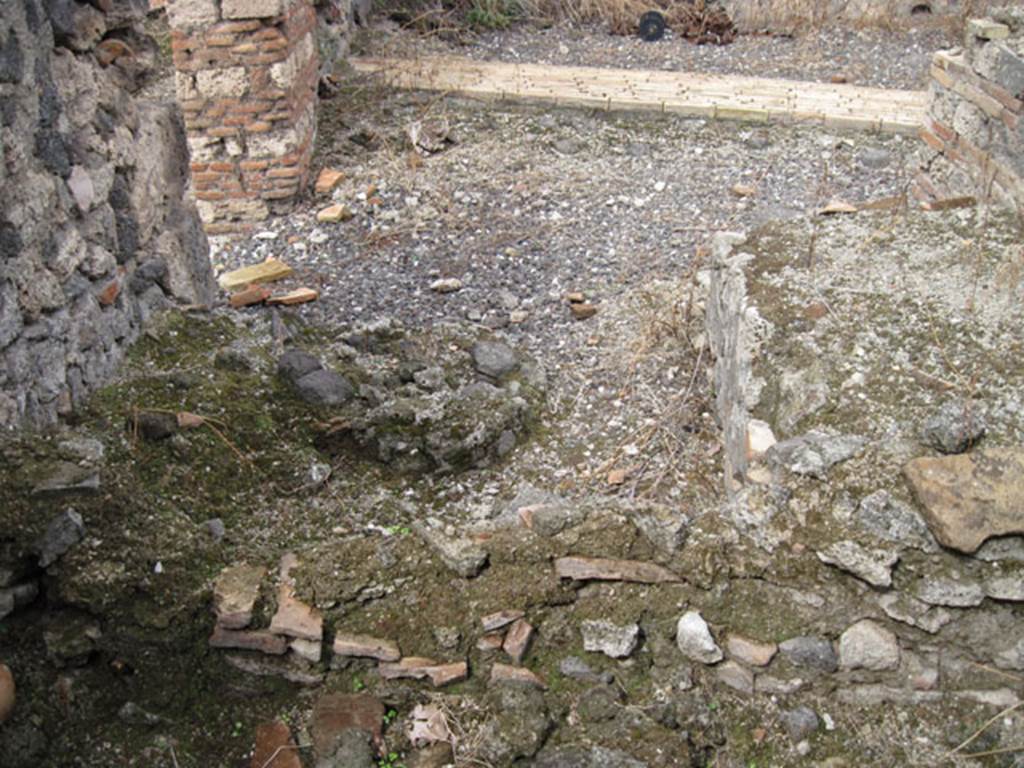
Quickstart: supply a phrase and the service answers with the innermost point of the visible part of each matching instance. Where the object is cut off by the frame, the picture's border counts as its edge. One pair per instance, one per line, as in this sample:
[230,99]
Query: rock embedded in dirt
[955,427]
[1008,588]
[295,363]
[463,556]
[66,479]
[694,640]
[365,646]
[63,532]
[71,639]
[972,497]
[666,528]
[7,693]
[737,677]
[517,727]
[446,285]
[906,609]
[888,518]
[750,651]
[235,592]
[324,387]
[577,669]
[506,673]
[810,652]
[950,593]
[18,596]
[586,757]
[871,565]
[814,453]
[132,714]
[494,359]
[86,450]
[603,569]
[613,640]
[868,645]
[800,723]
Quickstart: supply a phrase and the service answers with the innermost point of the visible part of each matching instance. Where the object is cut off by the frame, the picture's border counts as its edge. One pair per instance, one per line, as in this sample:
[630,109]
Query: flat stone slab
[235,591]
[872,565]
[366,646]
[601,569]
[418,668]
[971,497]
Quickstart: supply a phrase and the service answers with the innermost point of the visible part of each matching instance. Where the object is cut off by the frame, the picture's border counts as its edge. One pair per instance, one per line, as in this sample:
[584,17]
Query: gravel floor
[528,205]
[870,57]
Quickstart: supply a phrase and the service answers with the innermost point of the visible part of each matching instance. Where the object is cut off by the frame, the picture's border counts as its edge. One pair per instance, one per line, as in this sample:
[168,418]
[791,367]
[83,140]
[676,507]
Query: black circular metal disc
[652,26]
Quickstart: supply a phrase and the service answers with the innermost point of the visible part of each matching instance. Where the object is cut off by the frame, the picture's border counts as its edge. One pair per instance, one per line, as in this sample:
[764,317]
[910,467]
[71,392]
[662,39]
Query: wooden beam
[725,97]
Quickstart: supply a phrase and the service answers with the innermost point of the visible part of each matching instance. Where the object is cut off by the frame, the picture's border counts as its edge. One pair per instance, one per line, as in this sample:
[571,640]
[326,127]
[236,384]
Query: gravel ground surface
[528,205]
[869,57]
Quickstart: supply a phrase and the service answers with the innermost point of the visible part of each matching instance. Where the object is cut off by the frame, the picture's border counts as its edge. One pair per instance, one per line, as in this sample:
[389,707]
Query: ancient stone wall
[246,80]
[96,232]
[974,129]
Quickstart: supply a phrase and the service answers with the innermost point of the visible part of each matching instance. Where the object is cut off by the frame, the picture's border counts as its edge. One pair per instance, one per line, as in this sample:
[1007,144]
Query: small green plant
[391,760]
[398,530]
[389,716]
[358,684]
[236,729]
[491,14]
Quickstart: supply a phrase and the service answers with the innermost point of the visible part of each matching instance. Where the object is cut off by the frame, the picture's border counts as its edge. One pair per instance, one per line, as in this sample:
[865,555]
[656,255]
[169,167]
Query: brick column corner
[246,80]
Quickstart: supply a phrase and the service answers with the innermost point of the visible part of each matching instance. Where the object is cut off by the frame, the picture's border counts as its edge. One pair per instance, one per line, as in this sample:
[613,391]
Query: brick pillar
[974,129]
[246,80]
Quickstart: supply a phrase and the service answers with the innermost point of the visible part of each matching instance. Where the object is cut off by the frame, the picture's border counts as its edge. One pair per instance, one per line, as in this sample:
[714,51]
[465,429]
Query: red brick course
[247,89]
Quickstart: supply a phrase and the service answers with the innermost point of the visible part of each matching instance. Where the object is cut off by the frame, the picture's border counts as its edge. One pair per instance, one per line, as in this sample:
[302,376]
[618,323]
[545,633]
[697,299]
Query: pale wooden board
[725,97]
[265,272]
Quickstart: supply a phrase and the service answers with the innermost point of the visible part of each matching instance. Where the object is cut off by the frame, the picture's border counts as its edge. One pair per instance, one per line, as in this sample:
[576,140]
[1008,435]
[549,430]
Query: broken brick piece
[253,294]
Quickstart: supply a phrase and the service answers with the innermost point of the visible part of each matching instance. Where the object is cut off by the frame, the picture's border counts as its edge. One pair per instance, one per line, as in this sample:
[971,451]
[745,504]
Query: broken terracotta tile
[506,673]
[275,747]
[499,619]
[298,296]
[600,569]
[252,294]
[327,180]
[366,646]
[418,668]
[249,640]
[293,617]
[235,592]
[517,640]
[617,477]
[335,713]
[490,642]
[310,650]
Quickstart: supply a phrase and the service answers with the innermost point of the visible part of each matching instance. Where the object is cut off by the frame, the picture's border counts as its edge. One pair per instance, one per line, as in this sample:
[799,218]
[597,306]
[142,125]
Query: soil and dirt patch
[477,477]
